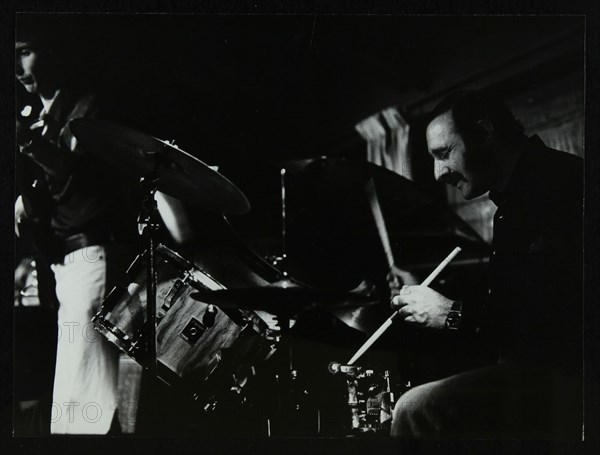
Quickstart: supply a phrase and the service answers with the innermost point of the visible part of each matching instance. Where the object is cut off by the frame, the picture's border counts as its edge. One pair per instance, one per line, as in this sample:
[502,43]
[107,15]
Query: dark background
[270,91]
[247,92]
[251,87]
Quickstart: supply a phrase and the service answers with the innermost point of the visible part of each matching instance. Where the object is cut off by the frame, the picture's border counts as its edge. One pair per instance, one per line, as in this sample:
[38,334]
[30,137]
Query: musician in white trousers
[87,213]
[86,222]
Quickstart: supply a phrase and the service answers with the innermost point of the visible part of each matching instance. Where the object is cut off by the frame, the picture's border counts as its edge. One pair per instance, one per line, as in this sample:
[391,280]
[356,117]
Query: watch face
[453,320]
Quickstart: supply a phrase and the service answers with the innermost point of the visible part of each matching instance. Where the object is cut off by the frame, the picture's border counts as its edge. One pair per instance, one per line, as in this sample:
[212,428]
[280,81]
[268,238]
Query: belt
[83,239]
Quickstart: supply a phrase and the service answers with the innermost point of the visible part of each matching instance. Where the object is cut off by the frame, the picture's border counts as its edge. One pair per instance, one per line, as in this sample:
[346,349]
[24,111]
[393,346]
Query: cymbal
[331,178]
[283,298]
[365,319]
[337,195]
[331,237]
[180,174]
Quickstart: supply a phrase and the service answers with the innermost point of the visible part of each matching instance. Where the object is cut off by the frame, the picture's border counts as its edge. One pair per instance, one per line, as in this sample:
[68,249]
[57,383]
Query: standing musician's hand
[423,306]
[20,214]
[24,134]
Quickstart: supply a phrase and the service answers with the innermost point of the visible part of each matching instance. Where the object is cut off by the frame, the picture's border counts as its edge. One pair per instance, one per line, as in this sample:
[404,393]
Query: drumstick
[432,276]
[379,221]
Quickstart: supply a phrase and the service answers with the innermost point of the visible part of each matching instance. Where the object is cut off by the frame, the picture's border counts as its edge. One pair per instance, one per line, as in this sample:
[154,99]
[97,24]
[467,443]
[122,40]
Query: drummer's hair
[470,106]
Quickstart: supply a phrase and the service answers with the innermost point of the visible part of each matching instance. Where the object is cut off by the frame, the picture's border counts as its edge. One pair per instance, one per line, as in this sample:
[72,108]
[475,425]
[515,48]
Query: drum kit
[192,331]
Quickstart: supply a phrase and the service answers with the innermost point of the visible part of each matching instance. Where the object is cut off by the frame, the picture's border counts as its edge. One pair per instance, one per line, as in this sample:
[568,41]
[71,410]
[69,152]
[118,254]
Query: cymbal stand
[285,321]
[287,383]
[148,219]
[287,375]
[280,261]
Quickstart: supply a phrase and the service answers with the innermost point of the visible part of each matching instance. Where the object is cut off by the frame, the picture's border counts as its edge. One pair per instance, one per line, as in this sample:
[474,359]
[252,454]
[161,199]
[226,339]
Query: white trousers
[85,384]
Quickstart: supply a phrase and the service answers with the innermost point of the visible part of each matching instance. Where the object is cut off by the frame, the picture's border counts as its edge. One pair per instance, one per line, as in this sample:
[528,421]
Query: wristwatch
[454,318]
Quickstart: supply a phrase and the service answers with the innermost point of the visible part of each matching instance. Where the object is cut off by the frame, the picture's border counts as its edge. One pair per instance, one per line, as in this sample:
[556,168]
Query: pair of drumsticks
[383,235]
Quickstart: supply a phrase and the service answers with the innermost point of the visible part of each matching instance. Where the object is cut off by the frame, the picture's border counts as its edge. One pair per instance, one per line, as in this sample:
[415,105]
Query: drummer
[533,311]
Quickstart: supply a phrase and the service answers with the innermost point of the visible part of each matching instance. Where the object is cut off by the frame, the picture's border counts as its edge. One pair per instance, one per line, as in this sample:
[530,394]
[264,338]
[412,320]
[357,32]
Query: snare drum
[196,343]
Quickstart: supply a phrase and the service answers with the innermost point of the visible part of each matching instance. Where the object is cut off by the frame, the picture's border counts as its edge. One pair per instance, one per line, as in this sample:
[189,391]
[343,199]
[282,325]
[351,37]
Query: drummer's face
[455,162]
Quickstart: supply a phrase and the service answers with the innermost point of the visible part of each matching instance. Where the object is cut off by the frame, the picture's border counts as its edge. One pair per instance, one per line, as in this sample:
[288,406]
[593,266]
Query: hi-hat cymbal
[180,174]
[283,298]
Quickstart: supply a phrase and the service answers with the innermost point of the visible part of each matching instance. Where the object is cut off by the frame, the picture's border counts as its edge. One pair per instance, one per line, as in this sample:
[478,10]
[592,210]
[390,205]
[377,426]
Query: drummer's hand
[397,277]
[422,306]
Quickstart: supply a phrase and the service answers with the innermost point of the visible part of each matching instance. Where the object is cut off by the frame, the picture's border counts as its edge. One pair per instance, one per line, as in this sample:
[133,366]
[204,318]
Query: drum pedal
[373,406]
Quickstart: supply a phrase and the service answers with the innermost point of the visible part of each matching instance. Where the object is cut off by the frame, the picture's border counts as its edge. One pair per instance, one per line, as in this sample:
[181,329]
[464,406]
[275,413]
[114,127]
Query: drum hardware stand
[285,320]
[283,223]
[148,220]
[288,400]
[280,261]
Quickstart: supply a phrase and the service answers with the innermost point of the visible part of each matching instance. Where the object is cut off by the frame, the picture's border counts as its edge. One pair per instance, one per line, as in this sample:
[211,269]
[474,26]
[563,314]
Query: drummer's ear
[485,133]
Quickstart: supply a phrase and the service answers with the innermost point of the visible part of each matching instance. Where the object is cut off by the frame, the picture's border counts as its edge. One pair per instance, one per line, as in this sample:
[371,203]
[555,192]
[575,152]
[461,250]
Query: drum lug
[209,316]
[174,291]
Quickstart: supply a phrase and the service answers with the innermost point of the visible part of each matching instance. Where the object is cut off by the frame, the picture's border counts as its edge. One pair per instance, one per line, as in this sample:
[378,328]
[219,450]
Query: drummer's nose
[440,170]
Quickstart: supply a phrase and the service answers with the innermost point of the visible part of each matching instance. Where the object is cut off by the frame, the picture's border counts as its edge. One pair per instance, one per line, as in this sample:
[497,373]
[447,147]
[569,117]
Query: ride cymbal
[179,174]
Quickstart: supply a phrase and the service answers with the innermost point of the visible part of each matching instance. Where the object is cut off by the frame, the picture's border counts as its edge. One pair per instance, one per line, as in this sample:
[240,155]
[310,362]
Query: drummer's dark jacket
[533,312]
[78,199]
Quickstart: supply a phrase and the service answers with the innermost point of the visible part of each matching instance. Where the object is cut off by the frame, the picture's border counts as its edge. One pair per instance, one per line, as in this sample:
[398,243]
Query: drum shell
[190,344]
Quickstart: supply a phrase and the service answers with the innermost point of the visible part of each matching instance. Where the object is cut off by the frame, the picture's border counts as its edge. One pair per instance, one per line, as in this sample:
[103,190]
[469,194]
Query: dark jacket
[534,310]
[85,194]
